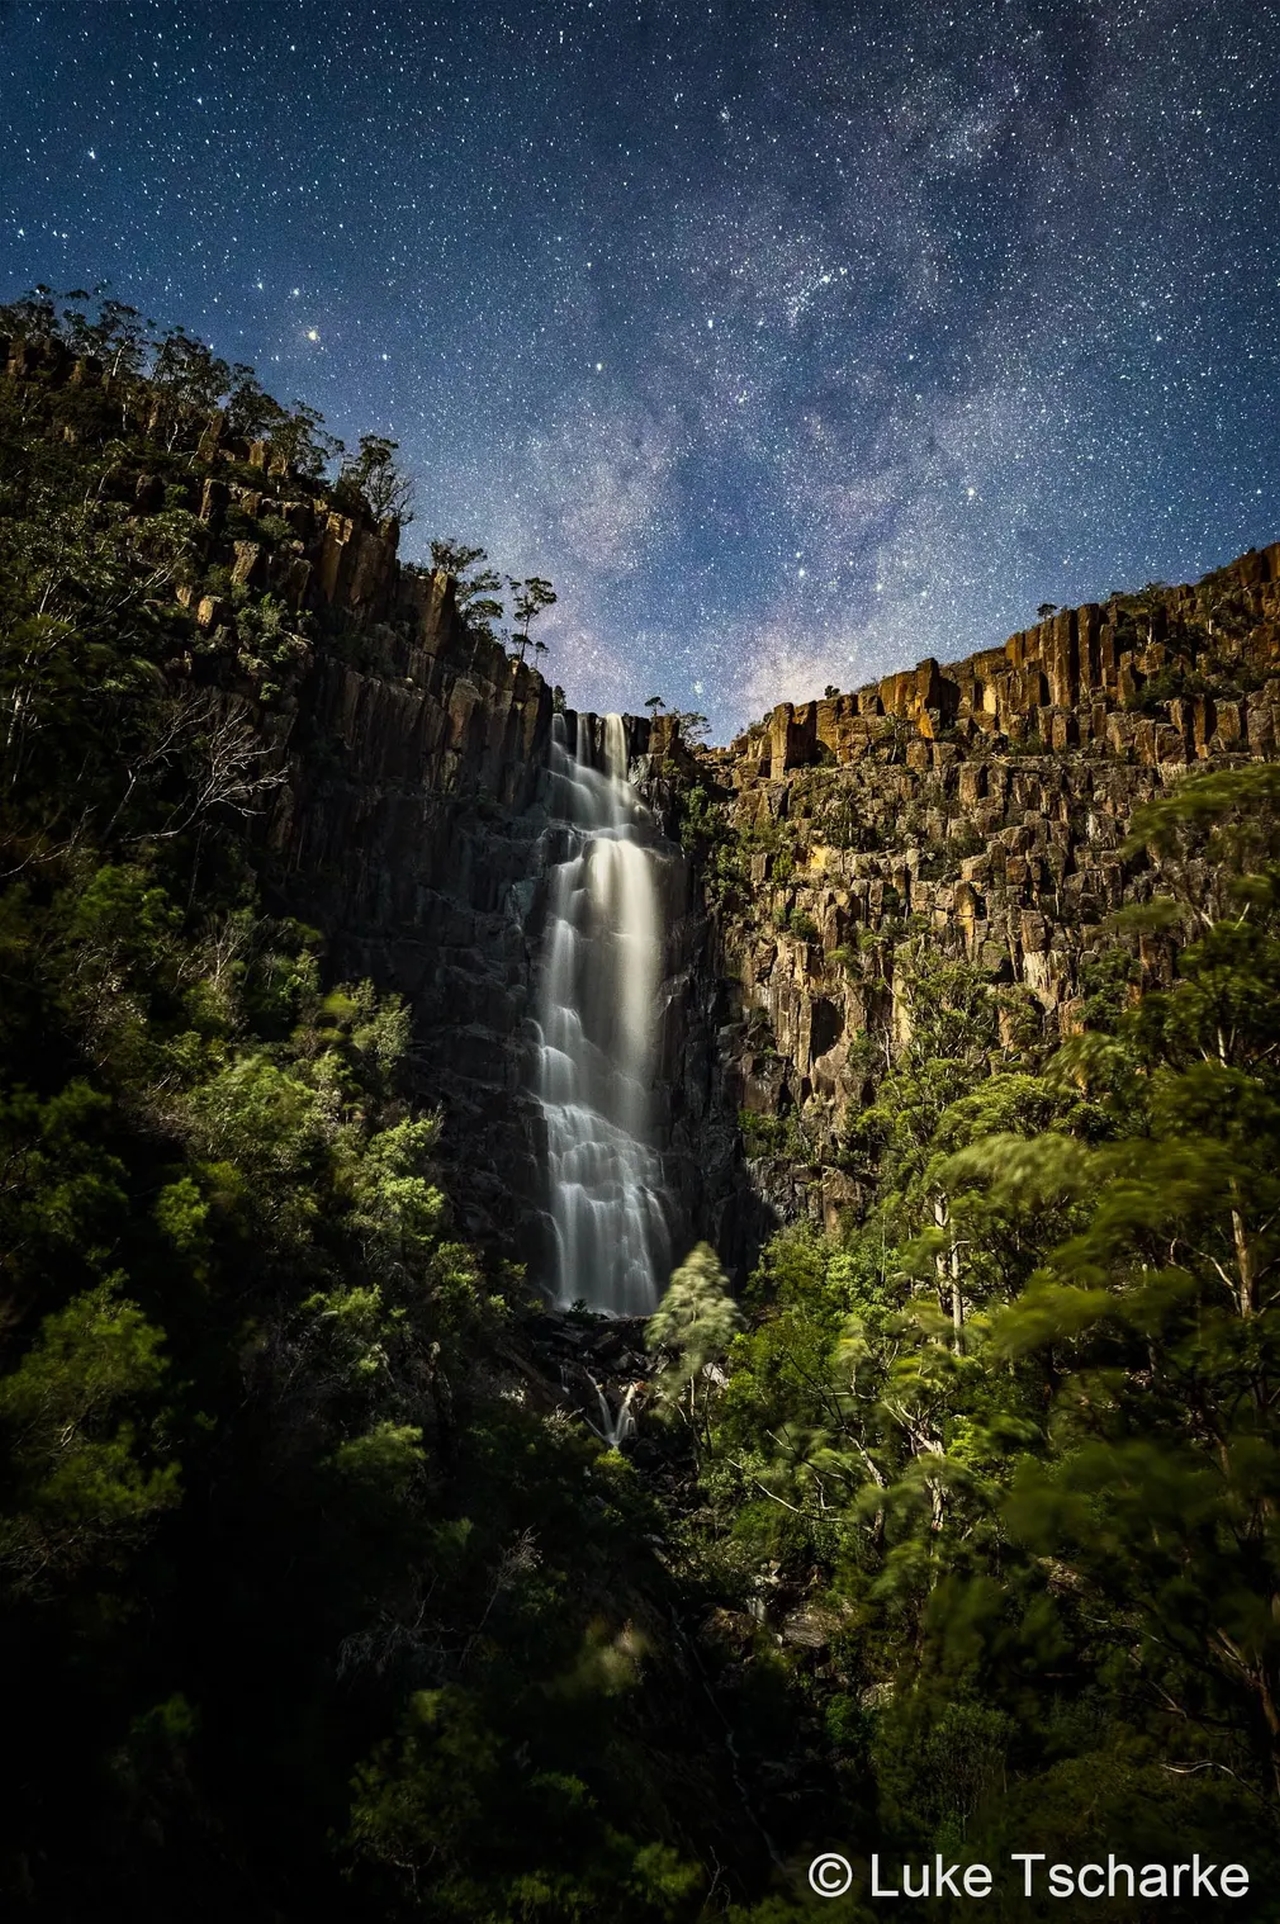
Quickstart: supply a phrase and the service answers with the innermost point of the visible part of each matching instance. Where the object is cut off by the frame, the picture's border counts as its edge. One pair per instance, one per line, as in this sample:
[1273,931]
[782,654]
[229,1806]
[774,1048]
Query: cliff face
[979,809]
[409,832]
[316,556]
[409,753]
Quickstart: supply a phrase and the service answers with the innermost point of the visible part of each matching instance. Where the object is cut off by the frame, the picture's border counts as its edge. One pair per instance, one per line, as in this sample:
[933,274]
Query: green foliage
[475,586]
[171,383]
[693,726]
[694,1323]
[727,849]
[1010,1434]
[776,1136]
[1031,743]
[702,826]
[530,598]
[370,479]
[82,1490]
[272,644]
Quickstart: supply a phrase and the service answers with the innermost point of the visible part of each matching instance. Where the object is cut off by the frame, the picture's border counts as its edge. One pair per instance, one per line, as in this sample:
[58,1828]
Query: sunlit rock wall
[980,807]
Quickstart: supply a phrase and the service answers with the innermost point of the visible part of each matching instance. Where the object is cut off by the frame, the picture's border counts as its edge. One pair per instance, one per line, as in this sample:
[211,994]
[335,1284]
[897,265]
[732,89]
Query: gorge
[982,808]
[380,1537]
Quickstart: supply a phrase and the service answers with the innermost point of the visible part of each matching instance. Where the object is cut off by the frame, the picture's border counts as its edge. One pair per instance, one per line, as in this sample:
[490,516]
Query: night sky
[793,342]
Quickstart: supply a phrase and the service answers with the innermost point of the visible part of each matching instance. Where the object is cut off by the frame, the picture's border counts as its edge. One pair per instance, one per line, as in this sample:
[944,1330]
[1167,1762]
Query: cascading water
[597,1021]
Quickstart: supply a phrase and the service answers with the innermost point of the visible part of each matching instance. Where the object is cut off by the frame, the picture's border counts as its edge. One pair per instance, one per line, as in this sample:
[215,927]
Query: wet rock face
[413,831]
[590,1367]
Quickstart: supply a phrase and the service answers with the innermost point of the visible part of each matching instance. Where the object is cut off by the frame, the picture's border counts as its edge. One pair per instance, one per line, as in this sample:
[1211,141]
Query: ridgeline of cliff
[340,1579]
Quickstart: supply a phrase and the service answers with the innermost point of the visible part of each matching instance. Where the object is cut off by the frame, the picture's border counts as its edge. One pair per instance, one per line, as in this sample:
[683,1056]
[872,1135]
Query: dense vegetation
[1007,1449]
[958,1534]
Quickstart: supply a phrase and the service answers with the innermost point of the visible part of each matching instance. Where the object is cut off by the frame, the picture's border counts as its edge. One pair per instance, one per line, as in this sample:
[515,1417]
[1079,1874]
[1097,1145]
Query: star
[990,327]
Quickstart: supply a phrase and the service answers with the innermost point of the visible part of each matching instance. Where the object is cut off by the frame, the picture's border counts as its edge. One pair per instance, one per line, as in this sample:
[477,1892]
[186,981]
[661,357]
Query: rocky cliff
[407,753]
[409,832]
[979,809]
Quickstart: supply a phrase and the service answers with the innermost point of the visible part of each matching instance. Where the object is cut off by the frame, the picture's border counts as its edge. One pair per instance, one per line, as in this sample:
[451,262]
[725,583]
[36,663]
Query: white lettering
[1060,1883]
[875,1878]
[1177,1878]
[1239,1885]
[1088,1870]
[923,1890]
[1203,1885]
[1160,1888]
[1115,1870]
[1027,1859]
[942,1880]
[977,1881]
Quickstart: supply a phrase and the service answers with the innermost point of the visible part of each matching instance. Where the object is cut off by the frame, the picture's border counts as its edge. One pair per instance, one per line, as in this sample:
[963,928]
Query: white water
[597,1020]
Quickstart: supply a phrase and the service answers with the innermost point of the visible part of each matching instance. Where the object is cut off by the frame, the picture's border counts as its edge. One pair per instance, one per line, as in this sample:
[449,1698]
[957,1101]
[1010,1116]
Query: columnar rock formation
[409,832]
[1134,678]
[981,808]
[406,825]
[324,558]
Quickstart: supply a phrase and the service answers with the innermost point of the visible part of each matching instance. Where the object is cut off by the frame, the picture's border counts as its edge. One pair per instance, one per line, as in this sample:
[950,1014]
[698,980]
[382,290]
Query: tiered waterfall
[600,973]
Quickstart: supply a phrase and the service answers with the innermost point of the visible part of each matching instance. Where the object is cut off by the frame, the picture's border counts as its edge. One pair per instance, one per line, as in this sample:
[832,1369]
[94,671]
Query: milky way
[793,343]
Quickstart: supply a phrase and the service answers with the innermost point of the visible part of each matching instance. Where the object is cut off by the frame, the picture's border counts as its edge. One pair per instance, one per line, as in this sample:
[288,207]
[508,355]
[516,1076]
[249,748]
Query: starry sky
[793,342]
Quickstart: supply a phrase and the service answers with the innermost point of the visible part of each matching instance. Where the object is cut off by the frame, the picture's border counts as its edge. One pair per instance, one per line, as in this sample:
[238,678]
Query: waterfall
[597,1020]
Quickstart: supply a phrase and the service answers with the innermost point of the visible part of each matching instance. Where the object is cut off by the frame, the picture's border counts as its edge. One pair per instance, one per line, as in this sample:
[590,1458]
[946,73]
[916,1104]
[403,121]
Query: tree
[531,597]
[1046,609]
[473,585]
[298,439]
[33,314]
[655,705]
[1152,604]
[695,1323]
[371,477]
[81,1495]
[1157,1322]
[123,334]
[455,558]
[190,376]
[79,333]
[250,411]
[1207,836]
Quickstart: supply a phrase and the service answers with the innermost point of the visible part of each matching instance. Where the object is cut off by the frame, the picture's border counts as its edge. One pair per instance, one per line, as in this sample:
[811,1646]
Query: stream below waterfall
[596,1001]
